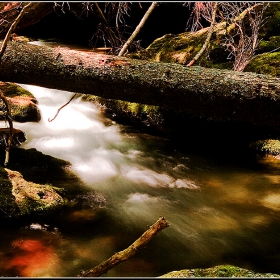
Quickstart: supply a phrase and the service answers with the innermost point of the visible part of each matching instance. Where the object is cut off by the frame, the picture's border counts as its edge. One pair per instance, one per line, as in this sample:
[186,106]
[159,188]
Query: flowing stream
[220,211]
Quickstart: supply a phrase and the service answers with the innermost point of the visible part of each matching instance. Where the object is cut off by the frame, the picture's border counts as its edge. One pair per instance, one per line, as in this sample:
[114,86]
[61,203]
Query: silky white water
[218,212]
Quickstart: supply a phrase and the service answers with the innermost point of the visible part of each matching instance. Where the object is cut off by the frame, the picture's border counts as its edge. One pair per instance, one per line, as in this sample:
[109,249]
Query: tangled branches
[243,43]
[243,21]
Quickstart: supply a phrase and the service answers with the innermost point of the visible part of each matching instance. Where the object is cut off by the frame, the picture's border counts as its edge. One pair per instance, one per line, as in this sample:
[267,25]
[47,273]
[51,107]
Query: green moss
[182,48]
[217,271]
[272,16]
[12,90]
[136,113]
[266,63]
[22,110]
[8,206]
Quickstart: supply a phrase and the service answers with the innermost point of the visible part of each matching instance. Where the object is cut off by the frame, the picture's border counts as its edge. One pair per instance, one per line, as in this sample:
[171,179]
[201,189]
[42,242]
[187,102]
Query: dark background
[66,26]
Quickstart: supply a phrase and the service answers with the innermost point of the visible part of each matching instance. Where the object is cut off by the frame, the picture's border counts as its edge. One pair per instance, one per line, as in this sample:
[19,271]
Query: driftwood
[128,252]
[210,93]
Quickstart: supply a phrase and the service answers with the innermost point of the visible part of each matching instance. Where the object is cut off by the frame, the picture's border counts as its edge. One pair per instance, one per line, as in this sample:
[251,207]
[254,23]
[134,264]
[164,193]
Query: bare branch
[245,40]
[213,22]
[73,96]
[138,28]
[12,28]
[129,252]
[10,121]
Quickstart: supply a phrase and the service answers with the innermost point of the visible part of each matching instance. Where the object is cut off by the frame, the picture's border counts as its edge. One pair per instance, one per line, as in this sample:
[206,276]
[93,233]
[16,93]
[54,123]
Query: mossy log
[211,93]
[129,252]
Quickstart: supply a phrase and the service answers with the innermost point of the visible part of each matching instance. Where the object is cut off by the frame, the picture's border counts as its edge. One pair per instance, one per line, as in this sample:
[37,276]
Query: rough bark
[129,252]
[210,93]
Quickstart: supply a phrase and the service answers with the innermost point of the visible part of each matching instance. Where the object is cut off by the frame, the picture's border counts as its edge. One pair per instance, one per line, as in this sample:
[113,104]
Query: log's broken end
[161,223]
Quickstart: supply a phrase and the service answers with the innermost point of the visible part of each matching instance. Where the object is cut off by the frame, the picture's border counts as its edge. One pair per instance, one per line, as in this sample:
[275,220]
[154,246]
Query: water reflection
[219,211]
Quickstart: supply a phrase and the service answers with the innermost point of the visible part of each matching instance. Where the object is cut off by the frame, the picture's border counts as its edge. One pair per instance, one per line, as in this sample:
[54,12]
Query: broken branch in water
[128,252]
[50,120]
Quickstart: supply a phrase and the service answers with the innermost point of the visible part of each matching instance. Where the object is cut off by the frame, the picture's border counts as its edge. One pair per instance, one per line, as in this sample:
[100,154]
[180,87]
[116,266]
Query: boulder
[23,104]
[218,271]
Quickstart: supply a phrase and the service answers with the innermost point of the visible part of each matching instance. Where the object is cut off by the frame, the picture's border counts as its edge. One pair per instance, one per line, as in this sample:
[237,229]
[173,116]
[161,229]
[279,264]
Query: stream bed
[220,210]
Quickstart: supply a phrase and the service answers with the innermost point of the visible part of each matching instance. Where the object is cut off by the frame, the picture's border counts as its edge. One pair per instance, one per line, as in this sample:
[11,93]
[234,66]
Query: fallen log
[210,93]
[129,252]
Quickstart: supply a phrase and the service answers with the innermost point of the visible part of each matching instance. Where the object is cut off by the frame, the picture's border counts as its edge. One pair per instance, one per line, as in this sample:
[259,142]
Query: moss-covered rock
[272,21]
[8,206]
[271,45]
[23,103]
[266,63]
[140,115]
[31,197]
[267,146]
[34,182]
[181,48]
[217,271]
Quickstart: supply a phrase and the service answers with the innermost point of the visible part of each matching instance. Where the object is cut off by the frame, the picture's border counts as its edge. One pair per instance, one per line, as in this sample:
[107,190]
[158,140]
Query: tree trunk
[210,93]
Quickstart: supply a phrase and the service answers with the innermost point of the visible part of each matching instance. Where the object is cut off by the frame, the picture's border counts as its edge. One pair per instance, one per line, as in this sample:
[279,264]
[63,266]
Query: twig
[50,120]
[10,121]
[137,29]
[208,36]
[128,252]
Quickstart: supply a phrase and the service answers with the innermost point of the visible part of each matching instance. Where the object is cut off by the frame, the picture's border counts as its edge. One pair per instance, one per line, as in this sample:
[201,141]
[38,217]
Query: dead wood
[137,29]
[208,93]
[129,252]
[209,35]
[12,28]
[72,97]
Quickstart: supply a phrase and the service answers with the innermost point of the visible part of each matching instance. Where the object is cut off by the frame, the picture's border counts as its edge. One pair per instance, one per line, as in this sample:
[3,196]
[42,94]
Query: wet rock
[89,199]
[44,227]
[18,137]
[23,103]
[31,197]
